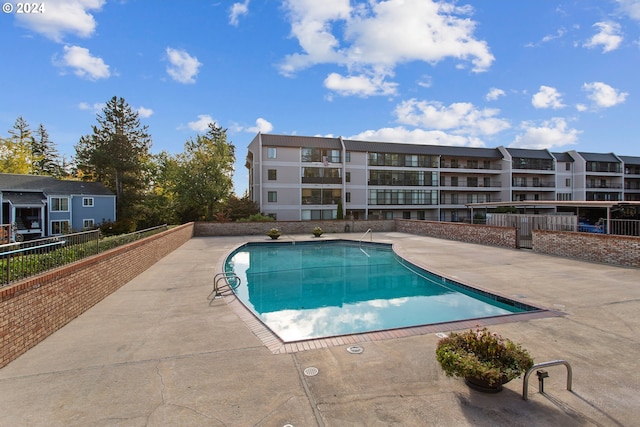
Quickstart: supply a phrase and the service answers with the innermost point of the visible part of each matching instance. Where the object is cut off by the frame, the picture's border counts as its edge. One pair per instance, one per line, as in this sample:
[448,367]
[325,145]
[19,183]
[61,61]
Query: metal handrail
[365,233]
[226,276]
[525,382]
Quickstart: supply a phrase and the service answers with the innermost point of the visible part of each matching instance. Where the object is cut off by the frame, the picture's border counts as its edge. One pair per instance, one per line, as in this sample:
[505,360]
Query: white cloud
[95,108]
[549,37]
[630,8]
[182,67]
[494,93]
[400,134]
[608,36]
[62,17]
[459,117]
[83,63]
[550,134]
[262,125]
[371,39]
[202,124]
[144,112]
[547,97]
[359,85]
[238,10]
[603,95]
[425,81]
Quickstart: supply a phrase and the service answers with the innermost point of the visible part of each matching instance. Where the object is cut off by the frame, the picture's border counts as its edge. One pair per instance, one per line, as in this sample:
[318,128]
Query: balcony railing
[603,185]
[311,200]
[321,180]
[534,184]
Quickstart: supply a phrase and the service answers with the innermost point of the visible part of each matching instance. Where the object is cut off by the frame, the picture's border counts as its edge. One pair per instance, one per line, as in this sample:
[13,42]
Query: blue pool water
[319,289]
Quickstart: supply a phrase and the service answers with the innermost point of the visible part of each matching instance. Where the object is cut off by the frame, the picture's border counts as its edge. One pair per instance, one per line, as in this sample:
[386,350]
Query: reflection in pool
[336,287]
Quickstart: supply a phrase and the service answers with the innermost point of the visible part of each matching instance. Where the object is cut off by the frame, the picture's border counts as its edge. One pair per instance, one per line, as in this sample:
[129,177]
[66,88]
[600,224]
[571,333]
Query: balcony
[604,185]
[321,180]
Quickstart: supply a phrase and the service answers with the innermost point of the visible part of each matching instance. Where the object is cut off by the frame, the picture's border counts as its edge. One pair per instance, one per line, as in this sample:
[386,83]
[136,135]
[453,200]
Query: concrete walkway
[157,353]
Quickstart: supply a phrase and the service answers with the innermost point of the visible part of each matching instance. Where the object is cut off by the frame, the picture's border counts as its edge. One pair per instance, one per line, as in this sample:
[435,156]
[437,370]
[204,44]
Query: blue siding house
[43,206]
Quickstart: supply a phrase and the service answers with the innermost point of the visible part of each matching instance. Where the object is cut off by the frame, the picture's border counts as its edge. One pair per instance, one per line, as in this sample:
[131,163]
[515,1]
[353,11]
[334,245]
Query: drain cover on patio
[311,371]
[355,349]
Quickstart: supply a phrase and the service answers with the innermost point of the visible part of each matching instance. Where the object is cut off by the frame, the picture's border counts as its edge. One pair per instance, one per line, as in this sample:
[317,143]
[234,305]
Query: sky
[556,74]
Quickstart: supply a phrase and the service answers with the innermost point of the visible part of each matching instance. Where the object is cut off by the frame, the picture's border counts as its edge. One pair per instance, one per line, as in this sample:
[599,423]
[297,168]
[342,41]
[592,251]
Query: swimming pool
[312,289]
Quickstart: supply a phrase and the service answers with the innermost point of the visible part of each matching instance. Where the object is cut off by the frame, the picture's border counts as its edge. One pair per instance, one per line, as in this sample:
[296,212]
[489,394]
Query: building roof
[630,160]
[426,149]
[529,154]
[599,157]
[300,141]
[563,157]
[26,198]
[49,185]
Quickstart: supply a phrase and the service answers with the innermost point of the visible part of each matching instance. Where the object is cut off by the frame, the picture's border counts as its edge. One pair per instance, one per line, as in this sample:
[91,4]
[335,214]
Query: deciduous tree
[203,174]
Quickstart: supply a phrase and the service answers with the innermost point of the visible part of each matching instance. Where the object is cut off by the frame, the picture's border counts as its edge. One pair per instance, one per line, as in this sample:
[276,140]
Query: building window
[88,223]
[567,182]
[567,166]
[271,153]
[454,181]
[324,155]
[272,174]
[406,215]
[318,214]
[347,176]
[60,227]
[87,202]
[272,196]
[59,204]
[347,156]
[347,196]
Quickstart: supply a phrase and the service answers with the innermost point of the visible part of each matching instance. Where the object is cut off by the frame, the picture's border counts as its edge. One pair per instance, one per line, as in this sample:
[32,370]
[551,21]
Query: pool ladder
[370,232]
[543,374]
[230,284]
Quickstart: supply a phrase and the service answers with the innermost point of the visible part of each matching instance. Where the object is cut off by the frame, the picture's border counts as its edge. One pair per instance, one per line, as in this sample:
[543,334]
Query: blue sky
[561,75]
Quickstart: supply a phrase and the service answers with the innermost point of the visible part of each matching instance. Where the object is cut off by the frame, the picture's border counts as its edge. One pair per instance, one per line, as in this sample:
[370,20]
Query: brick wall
[605,248]
[469,233]
[202,229]
[34,308]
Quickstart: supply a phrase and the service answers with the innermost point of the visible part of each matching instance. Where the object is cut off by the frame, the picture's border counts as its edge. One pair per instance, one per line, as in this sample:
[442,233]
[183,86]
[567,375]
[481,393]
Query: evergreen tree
[116,154]
[45,154]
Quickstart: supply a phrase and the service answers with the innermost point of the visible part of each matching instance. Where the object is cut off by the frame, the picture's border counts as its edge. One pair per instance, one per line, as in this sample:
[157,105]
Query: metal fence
[24,259]
[624,227]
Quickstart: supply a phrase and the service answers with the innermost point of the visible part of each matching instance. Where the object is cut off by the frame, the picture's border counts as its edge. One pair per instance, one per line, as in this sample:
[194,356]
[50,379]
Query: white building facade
[309,178]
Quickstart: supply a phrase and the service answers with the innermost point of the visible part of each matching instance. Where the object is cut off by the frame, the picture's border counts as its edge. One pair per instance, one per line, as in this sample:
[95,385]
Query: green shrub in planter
[482,356]
[274,233]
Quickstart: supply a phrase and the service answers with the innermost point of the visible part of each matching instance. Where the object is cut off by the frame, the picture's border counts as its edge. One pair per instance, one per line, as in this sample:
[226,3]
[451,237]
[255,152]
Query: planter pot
[274,237]
[480,384]
[317,234]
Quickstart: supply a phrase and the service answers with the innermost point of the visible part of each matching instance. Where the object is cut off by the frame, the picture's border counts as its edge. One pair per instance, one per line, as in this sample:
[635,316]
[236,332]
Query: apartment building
[305,178]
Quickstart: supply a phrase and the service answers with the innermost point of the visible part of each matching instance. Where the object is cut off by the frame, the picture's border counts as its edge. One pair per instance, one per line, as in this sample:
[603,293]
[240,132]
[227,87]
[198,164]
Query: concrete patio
[158,353]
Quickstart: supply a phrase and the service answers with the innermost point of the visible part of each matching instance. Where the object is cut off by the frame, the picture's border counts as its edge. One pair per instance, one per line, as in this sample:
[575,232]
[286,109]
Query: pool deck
[157,353]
